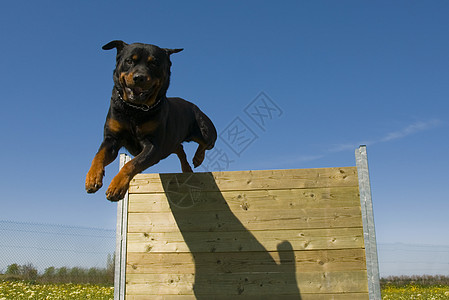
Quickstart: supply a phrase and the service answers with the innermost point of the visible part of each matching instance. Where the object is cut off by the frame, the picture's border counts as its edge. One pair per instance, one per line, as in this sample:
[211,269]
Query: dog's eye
[129,61]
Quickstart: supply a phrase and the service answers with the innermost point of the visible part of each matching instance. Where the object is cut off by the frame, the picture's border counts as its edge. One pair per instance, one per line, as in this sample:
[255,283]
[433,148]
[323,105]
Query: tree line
[421,280]
[77,275]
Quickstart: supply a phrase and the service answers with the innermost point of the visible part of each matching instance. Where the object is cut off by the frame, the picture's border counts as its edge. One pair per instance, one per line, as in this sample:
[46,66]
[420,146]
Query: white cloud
[388,137]
[410,129]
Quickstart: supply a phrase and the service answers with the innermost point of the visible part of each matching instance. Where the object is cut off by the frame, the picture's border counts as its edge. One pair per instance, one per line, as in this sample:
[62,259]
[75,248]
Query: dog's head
[142,71]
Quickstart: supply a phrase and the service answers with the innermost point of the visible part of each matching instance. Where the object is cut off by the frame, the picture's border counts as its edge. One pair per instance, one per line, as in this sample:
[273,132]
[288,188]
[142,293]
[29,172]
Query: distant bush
[28,272]
[422,280]
[21,272]
[13,269]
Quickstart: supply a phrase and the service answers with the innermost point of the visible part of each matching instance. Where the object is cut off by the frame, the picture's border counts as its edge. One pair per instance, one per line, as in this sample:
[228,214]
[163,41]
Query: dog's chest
[130,129]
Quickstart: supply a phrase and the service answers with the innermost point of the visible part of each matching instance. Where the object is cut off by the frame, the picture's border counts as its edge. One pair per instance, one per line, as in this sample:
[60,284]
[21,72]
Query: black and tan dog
[144,121]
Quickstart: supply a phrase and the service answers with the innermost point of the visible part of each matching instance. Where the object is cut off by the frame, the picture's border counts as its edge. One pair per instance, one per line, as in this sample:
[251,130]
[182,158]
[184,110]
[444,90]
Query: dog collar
[143,107]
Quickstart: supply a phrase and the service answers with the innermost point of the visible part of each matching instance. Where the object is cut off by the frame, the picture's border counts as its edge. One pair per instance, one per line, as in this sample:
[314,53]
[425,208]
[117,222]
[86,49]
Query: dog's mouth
[138,94]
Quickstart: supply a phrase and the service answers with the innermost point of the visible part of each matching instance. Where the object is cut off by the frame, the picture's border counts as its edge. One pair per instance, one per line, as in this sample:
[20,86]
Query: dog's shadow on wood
[229,260]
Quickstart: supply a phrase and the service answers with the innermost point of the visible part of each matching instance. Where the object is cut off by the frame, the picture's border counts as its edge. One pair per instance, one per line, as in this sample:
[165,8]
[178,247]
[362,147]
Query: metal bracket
[120,246]
[369,233]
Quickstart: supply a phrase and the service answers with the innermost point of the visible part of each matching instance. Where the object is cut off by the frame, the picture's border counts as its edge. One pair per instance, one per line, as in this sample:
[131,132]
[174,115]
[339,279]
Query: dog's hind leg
[185,167]
[205,136]
[199,154]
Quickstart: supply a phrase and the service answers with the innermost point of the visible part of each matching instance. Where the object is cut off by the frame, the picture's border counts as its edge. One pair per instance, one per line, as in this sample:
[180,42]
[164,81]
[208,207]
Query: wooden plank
[241,262]
[258,200]
[244,180]
[307,239]
[345,296]
[191,220]
[247,284]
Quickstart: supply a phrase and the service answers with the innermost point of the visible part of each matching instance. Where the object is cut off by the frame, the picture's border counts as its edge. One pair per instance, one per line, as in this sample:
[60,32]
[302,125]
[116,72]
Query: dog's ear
[115,44]
[171,51]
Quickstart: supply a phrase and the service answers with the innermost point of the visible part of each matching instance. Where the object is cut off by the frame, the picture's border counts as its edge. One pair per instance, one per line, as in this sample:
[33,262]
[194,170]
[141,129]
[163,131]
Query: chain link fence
[396,259]
[56,253]
[61,253]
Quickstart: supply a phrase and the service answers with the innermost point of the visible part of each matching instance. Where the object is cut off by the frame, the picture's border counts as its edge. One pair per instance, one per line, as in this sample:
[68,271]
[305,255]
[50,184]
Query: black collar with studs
[142,107]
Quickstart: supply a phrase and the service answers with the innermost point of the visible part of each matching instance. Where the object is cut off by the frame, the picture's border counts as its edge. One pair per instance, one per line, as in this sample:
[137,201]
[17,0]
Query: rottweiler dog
[144,121]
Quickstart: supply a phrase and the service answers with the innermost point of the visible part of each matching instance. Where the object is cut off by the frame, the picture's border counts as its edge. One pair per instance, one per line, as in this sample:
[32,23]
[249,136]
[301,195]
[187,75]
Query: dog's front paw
[117,189]
[94,180]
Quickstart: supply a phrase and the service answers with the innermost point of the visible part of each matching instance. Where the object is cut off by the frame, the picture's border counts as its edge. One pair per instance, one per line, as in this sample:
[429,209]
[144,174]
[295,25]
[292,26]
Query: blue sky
[341,73]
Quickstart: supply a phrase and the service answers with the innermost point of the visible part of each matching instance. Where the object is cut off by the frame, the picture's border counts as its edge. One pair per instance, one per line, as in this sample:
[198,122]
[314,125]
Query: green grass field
[18,290]
[415,292]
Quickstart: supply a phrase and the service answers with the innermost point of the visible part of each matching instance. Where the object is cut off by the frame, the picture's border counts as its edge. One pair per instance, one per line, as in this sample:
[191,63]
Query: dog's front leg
[119,185]
[106,154]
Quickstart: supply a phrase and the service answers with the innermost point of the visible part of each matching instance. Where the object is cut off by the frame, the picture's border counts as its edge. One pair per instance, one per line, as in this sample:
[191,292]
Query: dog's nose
[139,78]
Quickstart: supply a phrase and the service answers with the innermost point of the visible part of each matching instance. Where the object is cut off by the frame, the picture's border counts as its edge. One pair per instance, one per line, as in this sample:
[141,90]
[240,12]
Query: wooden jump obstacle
[277,234]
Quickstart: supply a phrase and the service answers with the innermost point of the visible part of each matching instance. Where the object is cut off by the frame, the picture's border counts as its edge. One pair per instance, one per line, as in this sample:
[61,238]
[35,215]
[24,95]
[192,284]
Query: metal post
[120,246]
[369,232]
